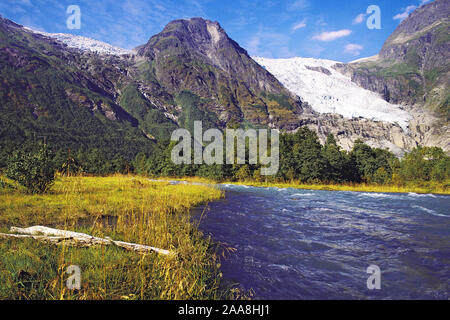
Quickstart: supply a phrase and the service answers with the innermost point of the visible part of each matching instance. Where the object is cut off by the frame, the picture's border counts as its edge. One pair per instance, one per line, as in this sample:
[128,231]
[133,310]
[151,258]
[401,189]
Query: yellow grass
[127,208]
[77,198]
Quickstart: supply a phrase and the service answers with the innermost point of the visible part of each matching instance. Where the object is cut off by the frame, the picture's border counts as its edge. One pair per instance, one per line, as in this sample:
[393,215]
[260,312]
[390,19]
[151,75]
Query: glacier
[315,81]
[327,90]
[84,43]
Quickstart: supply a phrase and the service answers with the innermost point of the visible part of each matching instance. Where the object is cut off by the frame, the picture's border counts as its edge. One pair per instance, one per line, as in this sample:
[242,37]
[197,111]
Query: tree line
[302,158]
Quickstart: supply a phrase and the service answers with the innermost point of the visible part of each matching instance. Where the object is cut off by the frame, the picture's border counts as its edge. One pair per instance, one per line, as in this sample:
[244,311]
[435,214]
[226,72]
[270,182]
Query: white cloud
[332,35]
[354,49]
[299,25]
[406,11]
[422,2]
[359,18]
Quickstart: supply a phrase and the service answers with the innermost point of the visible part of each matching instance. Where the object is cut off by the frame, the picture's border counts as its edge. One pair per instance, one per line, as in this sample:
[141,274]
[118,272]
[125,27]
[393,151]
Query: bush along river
[302,244]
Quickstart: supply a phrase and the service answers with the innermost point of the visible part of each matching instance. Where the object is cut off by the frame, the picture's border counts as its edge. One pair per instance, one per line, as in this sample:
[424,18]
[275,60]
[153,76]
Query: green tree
[381,176]
[336,161]
[441,170]
[214,172]
[309,164]
[425,164]
[160,161]
[368,161]
[140,163]
[35,170]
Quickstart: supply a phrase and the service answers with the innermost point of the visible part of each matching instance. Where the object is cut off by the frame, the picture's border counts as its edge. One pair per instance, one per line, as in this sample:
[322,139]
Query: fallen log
[43,238]
[82,239]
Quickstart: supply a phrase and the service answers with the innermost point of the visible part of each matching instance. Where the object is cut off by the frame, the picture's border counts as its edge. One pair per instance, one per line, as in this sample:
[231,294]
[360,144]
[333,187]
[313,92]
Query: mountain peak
[425,17]
[205,41]
[420,23]
[193,23]
[195,34]
[197,55]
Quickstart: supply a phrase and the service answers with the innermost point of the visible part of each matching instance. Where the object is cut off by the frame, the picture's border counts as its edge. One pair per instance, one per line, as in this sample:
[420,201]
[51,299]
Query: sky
[326,29]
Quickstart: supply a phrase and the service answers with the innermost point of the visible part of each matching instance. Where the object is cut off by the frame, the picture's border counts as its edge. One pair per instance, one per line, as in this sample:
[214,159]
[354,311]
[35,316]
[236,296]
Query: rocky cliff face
[205,41]
[197,55]
[377,134]
[413,69]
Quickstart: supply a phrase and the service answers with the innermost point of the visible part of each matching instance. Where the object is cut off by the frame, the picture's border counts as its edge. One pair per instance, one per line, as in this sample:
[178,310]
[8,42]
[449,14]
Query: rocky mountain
[197,55]
[77,95]
[83,93]
[69,96]
[413,69]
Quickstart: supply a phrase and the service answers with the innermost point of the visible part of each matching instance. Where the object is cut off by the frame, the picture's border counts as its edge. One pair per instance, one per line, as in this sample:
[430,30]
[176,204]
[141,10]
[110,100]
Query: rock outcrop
[413,69]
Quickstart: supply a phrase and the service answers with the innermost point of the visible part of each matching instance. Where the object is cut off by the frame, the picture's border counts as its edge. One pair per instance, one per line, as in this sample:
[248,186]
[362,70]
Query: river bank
[420,188]
[126,208]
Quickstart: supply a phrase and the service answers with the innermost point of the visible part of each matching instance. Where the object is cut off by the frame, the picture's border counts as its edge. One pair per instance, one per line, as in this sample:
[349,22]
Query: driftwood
[57,236]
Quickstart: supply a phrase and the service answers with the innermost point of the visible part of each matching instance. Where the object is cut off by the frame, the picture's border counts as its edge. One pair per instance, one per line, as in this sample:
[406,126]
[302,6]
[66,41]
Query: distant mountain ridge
[84,93]
[68,96]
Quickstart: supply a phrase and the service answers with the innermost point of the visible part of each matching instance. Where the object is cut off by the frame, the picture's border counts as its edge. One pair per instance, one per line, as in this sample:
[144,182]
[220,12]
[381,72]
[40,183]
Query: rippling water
[302,244]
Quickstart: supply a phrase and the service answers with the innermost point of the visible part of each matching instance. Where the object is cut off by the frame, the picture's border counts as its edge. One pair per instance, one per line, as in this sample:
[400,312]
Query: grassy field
[126,208]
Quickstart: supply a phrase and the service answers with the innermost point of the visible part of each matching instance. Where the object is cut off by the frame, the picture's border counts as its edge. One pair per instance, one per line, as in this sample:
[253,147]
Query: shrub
[243,173]
[381,176]
[35,170]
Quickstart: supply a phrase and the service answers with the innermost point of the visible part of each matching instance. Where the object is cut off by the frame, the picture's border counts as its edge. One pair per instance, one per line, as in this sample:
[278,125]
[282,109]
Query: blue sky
[327,29]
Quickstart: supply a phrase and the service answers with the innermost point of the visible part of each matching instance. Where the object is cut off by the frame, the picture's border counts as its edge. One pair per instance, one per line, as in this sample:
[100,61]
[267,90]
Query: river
[303,244]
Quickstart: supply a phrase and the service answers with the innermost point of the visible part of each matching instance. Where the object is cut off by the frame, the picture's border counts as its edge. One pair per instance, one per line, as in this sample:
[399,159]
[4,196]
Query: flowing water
[302,244]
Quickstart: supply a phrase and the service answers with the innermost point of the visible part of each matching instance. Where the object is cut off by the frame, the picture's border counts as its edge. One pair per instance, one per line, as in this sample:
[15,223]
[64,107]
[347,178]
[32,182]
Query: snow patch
[326,90]
[83,43]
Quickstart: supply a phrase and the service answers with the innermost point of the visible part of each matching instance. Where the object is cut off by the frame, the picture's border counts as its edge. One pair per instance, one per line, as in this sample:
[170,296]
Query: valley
[350,173]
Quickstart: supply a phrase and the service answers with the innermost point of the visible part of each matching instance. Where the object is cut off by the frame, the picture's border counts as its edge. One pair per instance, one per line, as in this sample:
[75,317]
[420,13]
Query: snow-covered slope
[84,44]
[329,91]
